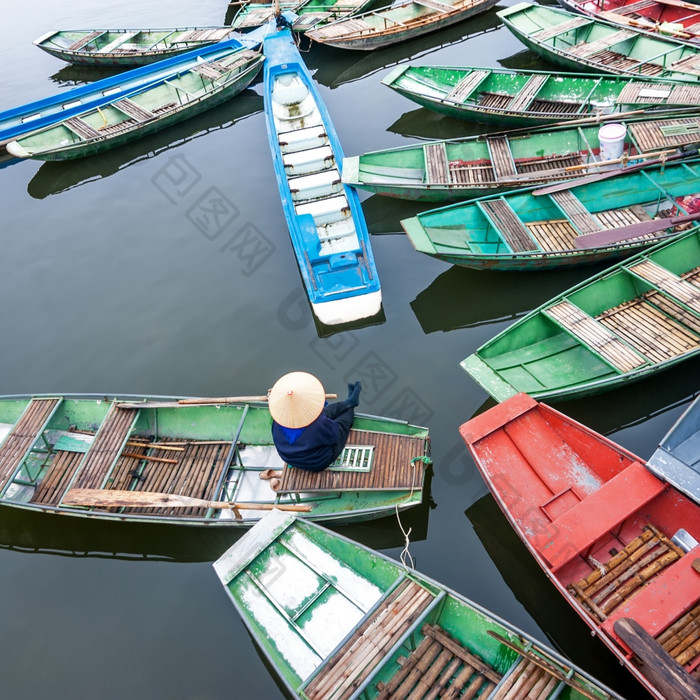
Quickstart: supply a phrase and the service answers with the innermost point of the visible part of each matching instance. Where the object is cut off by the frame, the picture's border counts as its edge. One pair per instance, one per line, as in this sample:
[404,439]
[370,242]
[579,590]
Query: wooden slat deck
[106,447]
[550,163]
[636,92]
[391,468]
[202,35]
[586,49]
[58,478]
[595,335]
[133,110]
[674,286]
[81,128]
[680,639]
[345,28]
[471,174]
[691,64]
[613,59]
[197,474]
[208,71]
[553,236]
[436,168]
[501,157]
[527,93]
[366,649]
[560,28]
[84,41]
[635,7]
[508,224]
[539,106]
[527,681]
[572,208]
[660,134]
[435,5]
[23,435]
[494,100]
[466,85]
[439,666]
[611,218]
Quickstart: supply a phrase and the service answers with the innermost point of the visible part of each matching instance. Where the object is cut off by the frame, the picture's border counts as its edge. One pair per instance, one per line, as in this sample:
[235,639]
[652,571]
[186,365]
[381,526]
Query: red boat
[620,544]
[673,18]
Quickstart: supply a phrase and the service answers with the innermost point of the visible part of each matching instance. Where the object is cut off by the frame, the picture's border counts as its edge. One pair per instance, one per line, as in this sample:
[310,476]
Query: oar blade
[105,498]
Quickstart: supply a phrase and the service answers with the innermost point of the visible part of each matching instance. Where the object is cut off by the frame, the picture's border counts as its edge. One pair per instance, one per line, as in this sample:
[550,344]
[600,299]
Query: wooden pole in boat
[114,498]
[218,401]
[234,399]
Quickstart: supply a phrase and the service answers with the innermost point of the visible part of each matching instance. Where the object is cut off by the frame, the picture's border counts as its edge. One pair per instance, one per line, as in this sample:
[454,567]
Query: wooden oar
[106,498]
[542,663]
[623,233]
[222,400]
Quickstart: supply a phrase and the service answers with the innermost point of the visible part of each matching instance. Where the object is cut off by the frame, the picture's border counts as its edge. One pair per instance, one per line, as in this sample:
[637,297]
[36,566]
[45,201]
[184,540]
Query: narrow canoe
[68,103]
[392,24]
[127,47]
[677,459]
[577,42]
[145,111]
[324,216]
[623,324]
[443,171]
[674,18]
[619,544]
[152,455]
[255,14]
[597,221]
[337,620]
[529,98]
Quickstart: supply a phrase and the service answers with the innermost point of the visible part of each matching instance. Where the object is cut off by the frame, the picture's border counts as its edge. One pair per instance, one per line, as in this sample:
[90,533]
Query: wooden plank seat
[436,168]
[553,236]
[207,70]
[577,530]
[24,433]
[435,5]
[611,583]
[560,28]
[508,224]
[635,7]
[392,467]
[198,472]
[666,281]
[202,35]
[83,41]
[362,653]
[589,48]
[345,28]
[130,108]
[527,93]
[613,59]
[466,85]
[685,94]
[571,207]
[105,448]
[58,477]
[116,43]
[595,335]
[81,128]
[501,157]
[439,666]
[636,92]
[657,134]
[656,334]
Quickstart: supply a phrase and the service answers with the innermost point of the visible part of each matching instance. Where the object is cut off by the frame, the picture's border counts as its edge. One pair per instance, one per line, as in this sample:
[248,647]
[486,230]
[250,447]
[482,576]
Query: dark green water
[110,284]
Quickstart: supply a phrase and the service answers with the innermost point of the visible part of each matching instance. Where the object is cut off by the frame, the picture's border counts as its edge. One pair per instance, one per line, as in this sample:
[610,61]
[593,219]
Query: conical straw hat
[296,399]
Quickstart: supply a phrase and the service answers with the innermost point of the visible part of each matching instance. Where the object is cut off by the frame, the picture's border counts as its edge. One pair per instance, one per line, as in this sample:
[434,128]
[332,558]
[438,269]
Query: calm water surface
[111,282]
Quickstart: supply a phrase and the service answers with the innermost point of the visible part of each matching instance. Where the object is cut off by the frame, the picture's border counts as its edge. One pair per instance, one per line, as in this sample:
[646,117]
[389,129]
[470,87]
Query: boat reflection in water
[54,177]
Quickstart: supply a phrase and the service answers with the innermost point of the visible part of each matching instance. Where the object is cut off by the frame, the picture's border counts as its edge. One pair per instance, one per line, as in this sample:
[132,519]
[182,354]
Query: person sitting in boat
[309,433]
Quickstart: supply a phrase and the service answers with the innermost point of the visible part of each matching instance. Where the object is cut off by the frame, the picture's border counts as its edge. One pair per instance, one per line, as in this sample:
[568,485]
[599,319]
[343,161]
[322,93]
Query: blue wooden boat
[677,459]
[68,103]
[324,216]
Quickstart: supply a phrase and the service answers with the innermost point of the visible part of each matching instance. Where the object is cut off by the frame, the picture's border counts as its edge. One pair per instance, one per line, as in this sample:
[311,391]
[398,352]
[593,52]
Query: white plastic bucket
[612,141]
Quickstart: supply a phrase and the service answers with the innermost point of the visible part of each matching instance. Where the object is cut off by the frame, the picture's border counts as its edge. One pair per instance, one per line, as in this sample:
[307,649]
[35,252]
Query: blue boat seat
[289,89]
[302,139]
[310,160]
[315,185]
[325,211]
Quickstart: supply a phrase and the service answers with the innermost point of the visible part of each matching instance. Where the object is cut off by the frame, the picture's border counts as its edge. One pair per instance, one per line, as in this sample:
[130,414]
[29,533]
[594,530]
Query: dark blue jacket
[316,447]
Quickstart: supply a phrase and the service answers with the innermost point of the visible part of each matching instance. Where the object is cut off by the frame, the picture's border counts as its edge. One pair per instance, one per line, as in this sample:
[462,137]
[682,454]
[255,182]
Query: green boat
[621,325]
[575,224]
[337,620]
[443,171]
[127,47]
[195,462]
[578,42]
[531,98]
[403,20]
[144,111]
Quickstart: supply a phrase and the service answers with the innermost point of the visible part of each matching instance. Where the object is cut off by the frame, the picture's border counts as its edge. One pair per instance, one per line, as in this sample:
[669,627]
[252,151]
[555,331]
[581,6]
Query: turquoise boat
[336,620]
[194,462]
[510,98]
[122,48]
[143,112]
[624,324]
[578,42]
[443,171]
[324,216]
[573,224]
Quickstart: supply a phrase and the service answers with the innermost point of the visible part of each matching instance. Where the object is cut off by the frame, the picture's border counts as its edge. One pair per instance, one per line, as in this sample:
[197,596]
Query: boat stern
[481,373]
[354,308]
[418,236]
[351,171]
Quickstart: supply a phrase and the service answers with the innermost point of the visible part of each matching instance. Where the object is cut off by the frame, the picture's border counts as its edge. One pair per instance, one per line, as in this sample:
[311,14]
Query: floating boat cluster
[601,167]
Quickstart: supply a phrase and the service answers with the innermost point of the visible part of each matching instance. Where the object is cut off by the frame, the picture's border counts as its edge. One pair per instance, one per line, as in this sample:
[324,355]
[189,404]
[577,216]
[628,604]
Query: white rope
[405,557]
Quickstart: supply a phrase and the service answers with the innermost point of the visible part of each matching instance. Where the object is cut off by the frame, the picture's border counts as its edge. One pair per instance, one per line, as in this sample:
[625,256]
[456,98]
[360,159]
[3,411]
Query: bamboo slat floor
[436,169]
[509,225]
[667,282]
[392,467]
[553,236]
[659,134]
[560,28]
[590,48]
[528,92]
[501,157]
[572,208]
[25,432]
